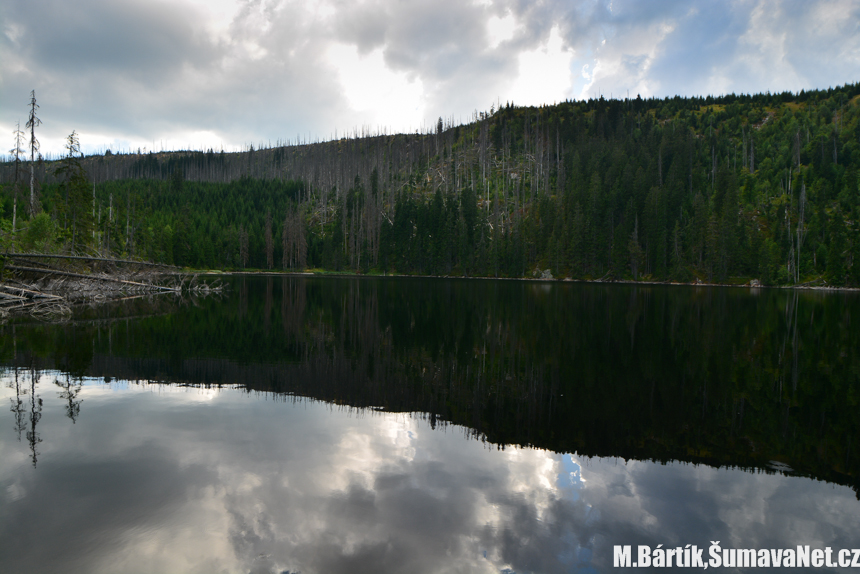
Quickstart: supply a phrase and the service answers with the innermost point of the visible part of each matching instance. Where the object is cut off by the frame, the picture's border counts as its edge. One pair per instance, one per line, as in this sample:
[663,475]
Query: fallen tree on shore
[47,286]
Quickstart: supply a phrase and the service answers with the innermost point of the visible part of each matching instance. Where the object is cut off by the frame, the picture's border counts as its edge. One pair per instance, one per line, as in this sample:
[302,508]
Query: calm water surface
[405,425]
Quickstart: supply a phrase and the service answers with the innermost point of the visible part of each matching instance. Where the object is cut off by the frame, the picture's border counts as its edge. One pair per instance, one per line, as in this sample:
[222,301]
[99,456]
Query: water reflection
[22,414]
[71,389]
[157,478]
[310,425]
[717,376]
[18,405]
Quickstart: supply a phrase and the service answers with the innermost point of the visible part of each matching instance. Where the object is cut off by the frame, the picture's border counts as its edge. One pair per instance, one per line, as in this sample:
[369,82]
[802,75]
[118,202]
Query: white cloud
[622,65]
[544,74]
[204,72]
[378,95]
[216,15]
[500,29]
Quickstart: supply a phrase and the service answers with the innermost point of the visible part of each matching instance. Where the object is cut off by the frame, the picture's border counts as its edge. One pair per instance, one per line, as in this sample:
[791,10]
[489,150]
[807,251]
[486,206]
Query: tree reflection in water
[35,416]
[725,377]
[260,417]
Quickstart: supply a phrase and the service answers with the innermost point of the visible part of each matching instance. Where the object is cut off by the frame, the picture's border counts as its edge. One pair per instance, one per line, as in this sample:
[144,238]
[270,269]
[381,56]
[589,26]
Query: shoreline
[801,287]
[50,293]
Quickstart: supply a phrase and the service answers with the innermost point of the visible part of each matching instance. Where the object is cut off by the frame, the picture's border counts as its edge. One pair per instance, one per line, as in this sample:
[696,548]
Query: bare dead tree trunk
[32,123]
[17,151]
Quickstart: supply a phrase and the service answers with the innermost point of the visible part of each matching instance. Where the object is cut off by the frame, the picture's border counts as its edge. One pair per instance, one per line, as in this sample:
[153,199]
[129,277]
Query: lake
[325,425]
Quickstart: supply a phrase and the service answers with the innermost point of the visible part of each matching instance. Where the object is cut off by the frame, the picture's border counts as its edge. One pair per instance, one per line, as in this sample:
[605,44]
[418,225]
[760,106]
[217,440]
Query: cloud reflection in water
[151,478]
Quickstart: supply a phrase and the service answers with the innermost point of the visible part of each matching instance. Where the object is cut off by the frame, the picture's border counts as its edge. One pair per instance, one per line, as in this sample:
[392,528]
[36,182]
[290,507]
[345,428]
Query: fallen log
[46,273]
[45,265]
[9,297]
[87,258]
[28,293]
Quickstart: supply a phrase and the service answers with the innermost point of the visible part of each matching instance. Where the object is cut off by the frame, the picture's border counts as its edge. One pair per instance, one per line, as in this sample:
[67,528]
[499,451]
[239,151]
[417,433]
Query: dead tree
[16,151]
[32,123]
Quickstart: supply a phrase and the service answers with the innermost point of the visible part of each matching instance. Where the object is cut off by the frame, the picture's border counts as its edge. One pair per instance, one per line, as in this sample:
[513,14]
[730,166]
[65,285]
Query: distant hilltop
[736,188]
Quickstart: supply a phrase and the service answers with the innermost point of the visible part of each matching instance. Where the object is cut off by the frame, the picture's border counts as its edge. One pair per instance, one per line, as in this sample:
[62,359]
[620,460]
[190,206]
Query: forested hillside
[720,189]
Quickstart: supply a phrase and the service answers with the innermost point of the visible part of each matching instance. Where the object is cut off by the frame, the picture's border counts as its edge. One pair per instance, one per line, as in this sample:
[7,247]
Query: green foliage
[75,210]
[671,189]
[40,235]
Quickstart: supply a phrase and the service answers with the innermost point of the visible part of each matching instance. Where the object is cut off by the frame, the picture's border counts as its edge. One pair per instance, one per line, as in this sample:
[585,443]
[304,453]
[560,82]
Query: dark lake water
[326,425]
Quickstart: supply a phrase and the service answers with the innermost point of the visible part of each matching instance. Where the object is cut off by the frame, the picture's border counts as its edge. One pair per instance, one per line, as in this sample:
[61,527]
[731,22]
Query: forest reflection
[727,377]
[26,406]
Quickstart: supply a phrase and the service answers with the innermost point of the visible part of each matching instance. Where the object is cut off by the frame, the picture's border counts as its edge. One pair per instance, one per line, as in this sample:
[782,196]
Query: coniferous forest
[724,189]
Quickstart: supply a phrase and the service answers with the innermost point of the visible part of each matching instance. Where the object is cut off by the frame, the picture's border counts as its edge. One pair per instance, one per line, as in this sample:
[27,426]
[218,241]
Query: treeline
[721,189]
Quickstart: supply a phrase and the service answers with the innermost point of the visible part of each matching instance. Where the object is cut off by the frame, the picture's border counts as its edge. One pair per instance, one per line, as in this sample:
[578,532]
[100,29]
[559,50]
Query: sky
[225,74]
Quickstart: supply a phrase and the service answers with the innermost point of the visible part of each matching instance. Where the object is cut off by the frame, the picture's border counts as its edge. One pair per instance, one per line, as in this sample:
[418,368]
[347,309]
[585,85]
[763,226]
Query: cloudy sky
[180,74]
